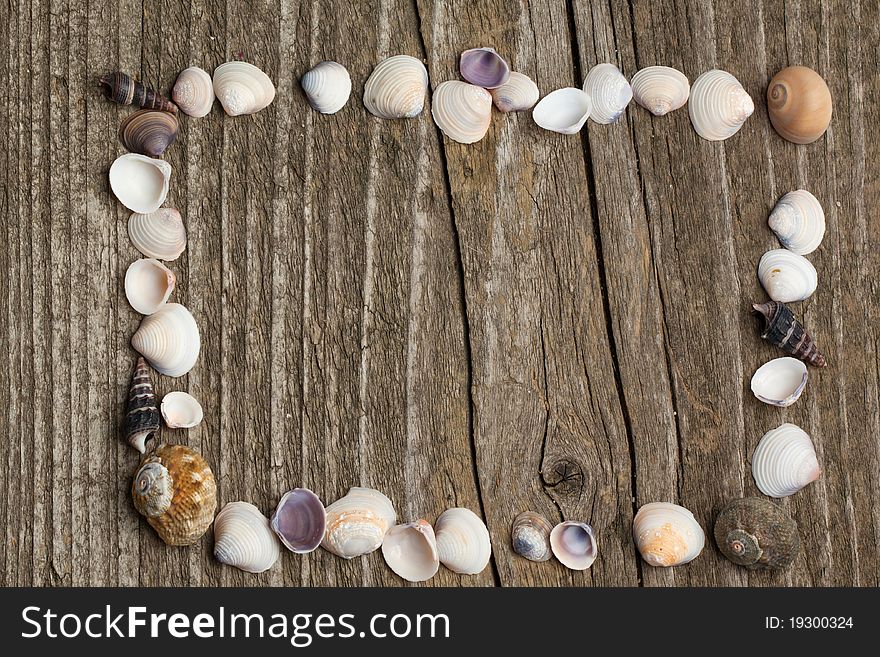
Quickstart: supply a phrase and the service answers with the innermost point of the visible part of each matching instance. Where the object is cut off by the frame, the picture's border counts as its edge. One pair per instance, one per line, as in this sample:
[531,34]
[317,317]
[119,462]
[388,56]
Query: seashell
[785,461]
[484,67]
[194,92]
[462,541]
[242,88]
[609,91]
[181,410]
[148,284]
[780,381]
[175,490]
[299,520]
[159,234]
[141,414]
[396,88]
[718,105]
[140,182]
[327,87]
[410,550]
[357,523]
[530,536]
[757,534]
[660,89]
[564,110]
[667,534]
[783,329]
[125,90]
[574,544]
[799,104]
[169,340]
[462,111]
[243,538]
[786,276]
[798,221]
[148,132]
[518,93]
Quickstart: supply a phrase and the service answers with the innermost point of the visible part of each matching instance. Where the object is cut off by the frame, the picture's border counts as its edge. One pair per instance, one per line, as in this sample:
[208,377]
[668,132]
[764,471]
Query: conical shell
[484,68]
[169,340]
[148,132]
[757,534]
[530,536]
[181,410]
[574,544]
[462,111]
[140,182]
[299,520]
[243,538]
[357,523]
[148,284]
[799,104]
[660,89]
[609,91]
[783,329]
[798,221]
[518,93]
[396,88]
[785,461]
[174,489]
[780,382]
[160,234]
[141,412]
[667,534]
[410,550]
[125,90]
[564,110]
[786,276]
[462,541]
[718,105]
[242,88]
[194,92]
[327,87]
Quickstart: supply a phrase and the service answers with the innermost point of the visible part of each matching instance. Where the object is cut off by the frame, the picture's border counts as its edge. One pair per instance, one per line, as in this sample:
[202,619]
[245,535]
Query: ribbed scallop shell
[357,523]
[140,182]
[181,410]
[798,221]
[564,111]
[484,67]
[396,88]
[243,538]
[574,544]
[242,88]
[667,534]
[785,461]
[609,91]
[160,234]
[462,111]
[780,382]
[530,536]
[410,550]
[194,92]
[169,340]
[462,541]
[718,105]
[148,284]
[660,89]
[299,520]
[148,132]
[327,87]
[786,276]
[518,93]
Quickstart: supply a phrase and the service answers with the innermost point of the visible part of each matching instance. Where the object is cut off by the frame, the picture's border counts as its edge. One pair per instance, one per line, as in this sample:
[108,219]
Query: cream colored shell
[719,106]
[148,285]
[785,461]
[194,92]
[243,538]
[159,234]
[667,534]
[786,276]
[609,91]
[242,88]
[140,182]
[327,87]
[462,111]
[462,541]
[519,93]
[357,523]
[564,111]
[410,550]
[396,88]
[798,221]
[660,89]
[169,340]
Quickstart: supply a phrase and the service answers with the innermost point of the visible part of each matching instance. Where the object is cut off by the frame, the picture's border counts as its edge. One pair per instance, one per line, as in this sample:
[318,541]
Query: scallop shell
[125,90]
[798,221]
[660,89]
[783,329]
[518,93]
[141,413]
[574,544]
[140,182]
[780,382]
[410,550]
[242,88]
[484,67]
[169,340]
[785,461]
[719,106]
[174,489]
[799,104]
[299,520]
[327,87]
[462,111]
[181,410]
[148,132]
[530,536]
[564,110]
[462,541]
[667,534]
[757,534]
[148,284]
[609,91]
[243,538]
[357,523]
[396,88]
[159,234]
[786,276]
[194,92]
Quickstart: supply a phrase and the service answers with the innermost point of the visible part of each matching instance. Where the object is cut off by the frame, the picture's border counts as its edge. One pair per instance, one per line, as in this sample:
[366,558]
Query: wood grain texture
[533,322]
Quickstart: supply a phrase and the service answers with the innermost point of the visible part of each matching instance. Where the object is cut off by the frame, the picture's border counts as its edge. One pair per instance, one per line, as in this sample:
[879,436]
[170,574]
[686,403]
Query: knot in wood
[564,476]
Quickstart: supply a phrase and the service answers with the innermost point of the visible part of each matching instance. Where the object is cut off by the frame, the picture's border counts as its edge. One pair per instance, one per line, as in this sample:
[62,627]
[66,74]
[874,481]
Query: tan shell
[667,534]
[357,523]
[799,104]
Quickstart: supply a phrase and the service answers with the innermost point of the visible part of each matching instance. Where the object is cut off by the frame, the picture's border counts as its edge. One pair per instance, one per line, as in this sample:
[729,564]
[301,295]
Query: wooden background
[537,321]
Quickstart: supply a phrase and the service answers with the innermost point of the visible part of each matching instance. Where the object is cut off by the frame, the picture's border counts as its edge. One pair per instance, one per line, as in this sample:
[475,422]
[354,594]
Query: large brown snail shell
[148,132]
[799,104]
[125,90]
[757,534]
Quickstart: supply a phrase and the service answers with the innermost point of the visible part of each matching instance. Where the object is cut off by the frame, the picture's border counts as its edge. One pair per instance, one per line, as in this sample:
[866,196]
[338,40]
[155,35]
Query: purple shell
[484,67]
[299,520]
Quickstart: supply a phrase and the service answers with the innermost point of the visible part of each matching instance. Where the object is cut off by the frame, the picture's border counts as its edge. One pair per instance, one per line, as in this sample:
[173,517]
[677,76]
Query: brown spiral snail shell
[783,329]
[799,104]
[125,90]
[757,534]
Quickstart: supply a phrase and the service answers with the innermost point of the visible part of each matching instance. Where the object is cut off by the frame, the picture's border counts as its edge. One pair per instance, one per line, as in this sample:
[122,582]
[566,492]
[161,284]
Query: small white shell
[327,87]
[667,534]
[660,89]
[396,88]
[718,105]
[160,234]
[462,541]
[574,544]
[148,284]
[798,221]
[462,111]
[169,340]
[564,110]
[243,538]
[518,93]
[181,410]
[357,523]
[786,276]
[242,88]
[193,92]
[785,461]
[609,91]
[140,182]
[410,550]
[780,381]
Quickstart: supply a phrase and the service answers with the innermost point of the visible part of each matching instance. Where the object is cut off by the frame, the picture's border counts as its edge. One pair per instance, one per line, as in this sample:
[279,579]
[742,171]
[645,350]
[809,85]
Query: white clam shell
[181,410]
[787,276]
[148,284]
[243,538]
[327,87]
[410,550]
[160,234]
[140,182]
[718,105]
[564,110]
[193,92]
[785,461]
[169,340]
[667,534]
[396,88]
[519,93]
[462,111]
[780,381]
[242,88]
[798,221]
[609,91]
[574,544]
[660,89]
[357,523]
[462,541]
